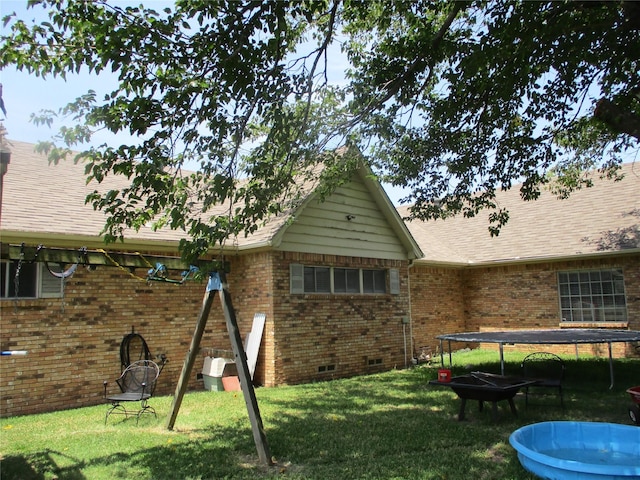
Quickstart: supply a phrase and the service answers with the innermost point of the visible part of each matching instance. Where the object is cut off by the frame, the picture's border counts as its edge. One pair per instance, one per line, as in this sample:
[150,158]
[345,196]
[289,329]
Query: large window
[312,279]
[33,280]
[592,296]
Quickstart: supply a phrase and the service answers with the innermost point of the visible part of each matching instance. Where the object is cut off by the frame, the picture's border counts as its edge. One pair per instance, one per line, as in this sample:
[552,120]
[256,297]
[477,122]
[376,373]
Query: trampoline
[543,337]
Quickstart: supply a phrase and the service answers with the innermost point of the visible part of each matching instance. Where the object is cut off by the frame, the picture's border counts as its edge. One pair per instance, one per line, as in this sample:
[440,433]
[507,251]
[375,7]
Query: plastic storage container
[213,371]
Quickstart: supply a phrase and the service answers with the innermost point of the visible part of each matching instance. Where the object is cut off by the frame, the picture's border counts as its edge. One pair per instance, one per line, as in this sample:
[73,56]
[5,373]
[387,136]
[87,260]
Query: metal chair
[547,369]
[137,383]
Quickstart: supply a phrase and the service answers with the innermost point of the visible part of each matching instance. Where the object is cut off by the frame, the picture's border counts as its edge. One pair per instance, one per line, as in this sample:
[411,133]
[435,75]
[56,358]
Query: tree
[468,98]
[454,100]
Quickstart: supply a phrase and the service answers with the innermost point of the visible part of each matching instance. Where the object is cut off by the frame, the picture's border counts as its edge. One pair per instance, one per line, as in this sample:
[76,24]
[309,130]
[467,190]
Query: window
[374,281]
[342,280]
[27,280]
[592,296]
[34,281]
[346,280]
[317,279]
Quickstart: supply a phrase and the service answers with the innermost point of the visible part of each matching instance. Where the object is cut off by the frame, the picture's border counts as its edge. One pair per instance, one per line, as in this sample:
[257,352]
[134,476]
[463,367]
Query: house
[347,287]
[332,279]
[572,263]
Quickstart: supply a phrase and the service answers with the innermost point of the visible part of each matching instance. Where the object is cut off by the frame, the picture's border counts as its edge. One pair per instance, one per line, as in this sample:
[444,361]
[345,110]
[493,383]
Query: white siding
[324,227]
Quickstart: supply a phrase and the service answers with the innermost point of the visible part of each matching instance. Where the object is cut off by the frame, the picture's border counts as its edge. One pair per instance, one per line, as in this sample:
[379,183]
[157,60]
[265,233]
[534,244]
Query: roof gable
[357,219]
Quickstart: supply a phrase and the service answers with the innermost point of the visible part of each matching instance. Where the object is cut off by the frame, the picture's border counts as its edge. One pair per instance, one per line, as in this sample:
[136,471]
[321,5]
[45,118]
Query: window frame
[352,280]
[592,296]
[375,285]
[300,276]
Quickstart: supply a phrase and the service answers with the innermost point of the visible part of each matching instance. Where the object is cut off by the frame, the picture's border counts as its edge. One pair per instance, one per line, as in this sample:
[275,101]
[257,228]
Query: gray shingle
[603,218]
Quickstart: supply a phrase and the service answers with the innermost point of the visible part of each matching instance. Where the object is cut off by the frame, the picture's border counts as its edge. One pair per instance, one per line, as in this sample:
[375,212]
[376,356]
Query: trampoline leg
[610,366]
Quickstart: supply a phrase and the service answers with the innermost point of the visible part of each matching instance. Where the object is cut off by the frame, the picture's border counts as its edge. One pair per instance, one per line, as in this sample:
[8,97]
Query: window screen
[304,279]
[374,281]
[317,280]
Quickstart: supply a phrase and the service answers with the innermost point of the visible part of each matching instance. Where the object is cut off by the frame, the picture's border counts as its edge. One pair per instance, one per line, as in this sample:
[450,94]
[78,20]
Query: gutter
[129,244]
[75,241]
[529,260]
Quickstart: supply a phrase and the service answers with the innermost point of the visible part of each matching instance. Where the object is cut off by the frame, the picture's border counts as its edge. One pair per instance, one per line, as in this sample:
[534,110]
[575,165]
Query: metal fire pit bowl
[484,387]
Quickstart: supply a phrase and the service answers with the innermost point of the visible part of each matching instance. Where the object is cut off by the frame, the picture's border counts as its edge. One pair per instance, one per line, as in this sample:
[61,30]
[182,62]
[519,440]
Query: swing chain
[62,280]
[16,280]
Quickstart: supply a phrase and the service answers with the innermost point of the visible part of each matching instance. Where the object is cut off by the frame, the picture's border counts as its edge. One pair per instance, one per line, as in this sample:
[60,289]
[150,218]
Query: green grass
[386,426]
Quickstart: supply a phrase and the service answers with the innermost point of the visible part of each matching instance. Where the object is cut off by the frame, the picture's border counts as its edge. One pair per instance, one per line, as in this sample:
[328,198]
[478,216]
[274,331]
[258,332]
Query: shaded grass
[386,426]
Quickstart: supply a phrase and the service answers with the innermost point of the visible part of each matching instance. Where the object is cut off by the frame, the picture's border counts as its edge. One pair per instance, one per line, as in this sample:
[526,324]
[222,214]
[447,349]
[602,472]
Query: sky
[25,94]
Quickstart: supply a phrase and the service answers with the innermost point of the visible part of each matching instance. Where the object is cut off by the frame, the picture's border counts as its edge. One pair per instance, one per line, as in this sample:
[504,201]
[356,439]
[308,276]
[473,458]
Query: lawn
[385,426]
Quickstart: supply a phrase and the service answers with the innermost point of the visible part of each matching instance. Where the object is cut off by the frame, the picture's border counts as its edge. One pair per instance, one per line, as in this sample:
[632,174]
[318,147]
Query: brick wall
[526,297]
[318,337]
[448,300]
[437,304]
[74,342]
[251,285]
[511,297]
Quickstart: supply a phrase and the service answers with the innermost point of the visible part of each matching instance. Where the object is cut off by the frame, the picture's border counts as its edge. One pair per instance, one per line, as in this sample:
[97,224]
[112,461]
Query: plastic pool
[579,450]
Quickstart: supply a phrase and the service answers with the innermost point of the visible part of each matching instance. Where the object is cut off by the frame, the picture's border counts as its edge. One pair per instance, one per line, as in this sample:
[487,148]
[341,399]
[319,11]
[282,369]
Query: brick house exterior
[73,339]
[518,297]
[468,281]
[451,277]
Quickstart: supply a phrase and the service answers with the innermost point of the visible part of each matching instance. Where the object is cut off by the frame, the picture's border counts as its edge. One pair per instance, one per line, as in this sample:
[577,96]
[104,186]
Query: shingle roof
[42,202]
[597,220]
[46,201]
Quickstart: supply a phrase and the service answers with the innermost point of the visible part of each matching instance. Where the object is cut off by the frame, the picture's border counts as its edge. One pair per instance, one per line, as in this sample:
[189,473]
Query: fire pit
[484,387]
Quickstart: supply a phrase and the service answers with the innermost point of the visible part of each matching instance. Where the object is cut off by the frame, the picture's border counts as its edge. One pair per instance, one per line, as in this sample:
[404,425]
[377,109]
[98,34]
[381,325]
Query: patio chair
[137,383]
[547,369]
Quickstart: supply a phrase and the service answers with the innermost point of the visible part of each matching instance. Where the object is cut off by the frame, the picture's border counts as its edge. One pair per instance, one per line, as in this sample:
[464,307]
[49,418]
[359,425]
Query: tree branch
[618,119]
[395,85]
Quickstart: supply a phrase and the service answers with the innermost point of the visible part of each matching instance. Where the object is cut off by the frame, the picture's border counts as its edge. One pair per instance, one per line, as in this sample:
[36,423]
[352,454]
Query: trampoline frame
[562,336]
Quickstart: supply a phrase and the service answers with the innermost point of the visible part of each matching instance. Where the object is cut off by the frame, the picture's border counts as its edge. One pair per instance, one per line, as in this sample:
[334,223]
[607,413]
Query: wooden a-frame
[217,283]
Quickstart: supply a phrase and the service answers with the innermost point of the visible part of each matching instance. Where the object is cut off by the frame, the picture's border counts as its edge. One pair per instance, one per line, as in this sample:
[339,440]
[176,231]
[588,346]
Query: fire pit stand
[484,387]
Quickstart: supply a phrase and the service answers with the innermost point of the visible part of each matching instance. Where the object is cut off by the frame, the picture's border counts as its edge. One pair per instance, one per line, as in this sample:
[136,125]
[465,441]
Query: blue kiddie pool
[579,450]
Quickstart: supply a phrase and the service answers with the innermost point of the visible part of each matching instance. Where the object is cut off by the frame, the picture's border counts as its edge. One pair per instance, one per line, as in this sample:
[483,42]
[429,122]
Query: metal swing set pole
[217,283]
